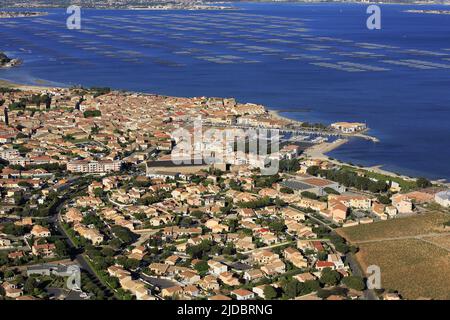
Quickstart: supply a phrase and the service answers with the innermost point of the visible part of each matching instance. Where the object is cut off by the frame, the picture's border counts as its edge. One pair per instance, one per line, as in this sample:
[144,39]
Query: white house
[443,198]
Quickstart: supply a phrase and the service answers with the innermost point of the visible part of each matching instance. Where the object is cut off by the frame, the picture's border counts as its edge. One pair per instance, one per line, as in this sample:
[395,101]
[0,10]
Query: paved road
[157,282]
[83,263]
[268,247]
[143,237]
[354,265]
[56,219]
[326,225]
[356,270]
[120,205]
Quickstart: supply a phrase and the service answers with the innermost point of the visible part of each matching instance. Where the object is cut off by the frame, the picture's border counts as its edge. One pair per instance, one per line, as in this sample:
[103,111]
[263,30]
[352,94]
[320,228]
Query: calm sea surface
[314,62]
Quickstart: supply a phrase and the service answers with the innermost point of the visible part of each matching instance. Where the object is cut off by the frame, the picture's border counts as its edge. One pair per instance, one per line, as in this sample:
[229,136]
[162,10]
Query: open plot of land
[440,241]
[415,268]
[413,253]
[418,225]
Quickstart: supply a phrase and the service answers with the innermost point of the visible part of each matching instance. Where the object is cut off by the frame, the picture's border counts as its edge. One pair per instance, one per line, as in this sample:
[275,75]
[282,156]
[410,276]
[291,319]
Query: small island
[6,62]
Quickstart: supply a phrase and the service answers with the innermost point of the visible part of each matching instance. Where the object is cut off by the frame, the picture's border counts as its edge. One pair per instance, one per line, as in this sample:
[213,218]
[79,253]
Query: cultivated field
[414,268]
[441,241]
[401,227]
[413,253]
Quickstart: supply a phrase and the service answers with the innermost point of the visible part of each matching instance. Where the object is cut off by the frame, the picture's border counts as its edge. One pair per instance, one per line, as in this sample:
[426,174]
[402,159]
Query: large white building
[101,166]
[443,198]
[9,153]
[349,127]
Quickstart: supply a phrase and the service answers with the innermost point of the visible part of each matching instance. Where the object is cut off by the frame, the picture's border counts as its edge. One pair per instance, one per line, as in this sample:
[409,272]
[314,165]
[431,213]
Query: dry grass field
[414,268]
[441,241]
[413,253]
[402,227]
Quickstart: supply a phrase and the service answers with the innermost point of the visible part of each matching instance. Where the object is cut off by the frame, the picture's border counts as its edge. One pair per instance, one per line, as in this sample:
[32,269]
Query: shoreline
[10,84]
[276,114]
[318,151]
[219,3]
[321,150]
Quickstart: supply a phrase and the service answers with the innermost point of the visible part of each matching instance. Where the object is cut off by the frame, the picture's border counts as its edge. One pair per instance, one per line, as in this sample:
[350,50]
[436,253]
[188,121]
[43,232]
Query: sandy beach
[319,151]
[9,84]
[276,115]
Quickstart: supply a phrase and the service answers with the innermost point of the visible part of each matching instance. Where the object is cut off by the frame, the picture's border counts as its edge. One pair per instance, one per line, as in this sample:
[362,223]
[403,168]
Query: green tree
[309,286]
[290,288]
[330,277]
[309,195]
[342,248]
[354,282]
[289,165]
[197,214]
[92,219]
[61,249]
[322,255]
[229,249]
[286,190]
[200,251]
[423,183]
[329,190]
[384,199]
[9,274]
[131,264]
[30,285]
[11,228]
[313,170]
[202,267]
[186,222]
[114,282]
[277,226]
[108,252]
[25,184]
[92,113]
[98,192]
[270,293]
[233,224]
[124,234]
[3,258]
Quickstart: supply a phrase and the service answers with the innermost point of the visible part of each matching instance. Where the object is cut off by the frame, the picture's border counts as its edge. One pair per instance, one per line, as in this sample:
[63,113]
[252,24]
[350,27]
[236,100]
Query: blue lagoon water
[313,62]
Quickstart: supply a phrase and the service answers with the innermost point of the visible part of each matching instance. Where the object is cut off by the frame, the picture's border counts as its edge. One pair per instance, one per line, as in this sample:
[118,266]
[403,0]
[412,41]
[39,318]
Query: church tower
[5,116]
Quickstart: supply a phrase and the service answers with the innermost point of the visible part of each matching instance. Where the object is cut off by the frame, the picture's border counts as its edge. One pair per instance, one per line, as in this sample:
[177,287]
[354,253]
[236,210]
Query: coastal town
[20,14]
[122,4]
[429,11]
[87,179]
